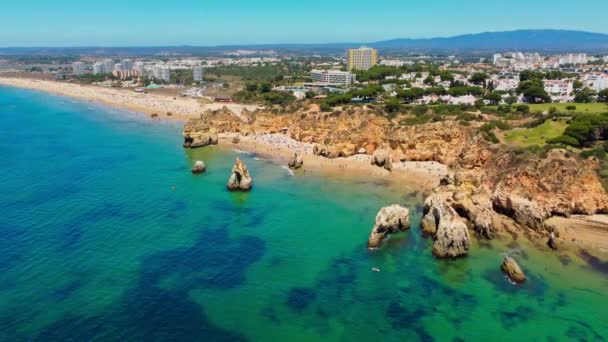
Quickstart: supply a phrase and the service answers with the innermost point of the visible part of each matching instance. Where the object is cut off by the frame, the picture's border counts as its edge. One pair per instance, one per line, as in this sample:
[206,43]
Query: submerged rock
[512,270]
[199,167]
[389,220]
[296,161]
[448,228]
[382,158]
[240,180]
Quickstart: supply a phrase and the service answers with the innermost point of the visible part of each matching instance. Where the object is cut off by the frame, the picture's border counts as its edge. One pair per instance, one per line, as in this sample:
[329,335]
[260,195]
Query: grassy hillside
[587,108]
[538,135]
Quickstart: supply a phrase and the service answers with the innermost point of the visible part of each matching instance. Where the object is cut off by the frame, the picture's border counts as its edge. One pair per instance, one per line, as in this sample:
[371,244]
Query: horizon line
[291,44]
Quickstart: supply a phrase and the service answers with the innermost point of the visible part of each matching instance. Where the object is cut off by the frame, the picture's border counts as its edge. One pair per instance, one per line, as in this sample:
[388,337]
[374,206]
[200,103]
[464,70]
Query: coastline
[422,176]
[414,177]
[180,108]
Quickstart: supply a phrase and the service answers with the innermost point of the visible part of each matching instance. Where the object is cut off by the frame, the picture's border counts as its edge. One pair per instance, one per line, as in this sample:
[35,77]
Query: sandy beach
[421,176]
[181,108]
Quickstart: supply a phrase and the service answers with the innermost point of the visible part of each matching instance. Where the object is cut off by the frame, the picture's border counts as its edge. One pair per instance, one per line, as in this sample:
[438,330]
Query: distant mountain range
[472,44]
[521,40]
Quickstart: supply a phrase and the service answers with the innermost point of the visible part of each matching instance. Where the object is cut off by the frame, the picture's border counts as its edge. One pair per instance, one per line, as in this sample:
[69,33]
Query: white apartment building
[78,68]
[139,67]
[104,67]
[393,62]
[162,72]
[573,58]
[335,77]
[108,66]
[597,82]
[197,73]
[98,68]
[559,87]
[127,64]
[118,67]
[505,84]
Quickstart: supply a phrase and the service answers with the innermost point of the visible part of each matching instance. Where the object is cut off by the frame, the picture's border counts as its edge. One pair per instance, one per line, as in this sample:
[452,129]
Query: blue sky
[219,22]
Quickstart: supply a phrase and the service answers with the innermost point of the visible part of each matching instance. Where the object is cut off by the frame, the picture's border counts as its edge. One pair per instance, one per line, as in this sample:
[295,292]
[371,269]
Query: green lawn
[538,135]
[587,108]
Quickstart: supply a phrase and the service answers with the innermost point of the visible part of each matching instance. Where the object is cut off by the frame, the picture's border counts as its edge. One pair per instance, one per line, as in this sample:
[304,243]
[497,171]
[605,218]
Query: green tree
[584,96]
[537,95]
[252,87]
[392,106]
[602,96]
[265,87]
[494,98]
[511,100]
[479,78]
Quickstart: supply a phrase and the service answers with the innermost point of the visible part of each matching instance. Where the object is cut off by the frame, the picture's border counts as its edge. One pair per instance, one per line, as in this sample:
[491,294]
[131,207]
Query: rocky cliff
[489,182]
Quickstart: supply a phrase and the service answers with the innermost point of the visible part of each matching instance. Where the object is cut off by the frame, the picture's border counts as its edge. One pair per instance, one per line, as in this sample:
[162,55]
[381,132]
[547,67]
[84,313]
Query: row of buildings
[523,61]
[127,68]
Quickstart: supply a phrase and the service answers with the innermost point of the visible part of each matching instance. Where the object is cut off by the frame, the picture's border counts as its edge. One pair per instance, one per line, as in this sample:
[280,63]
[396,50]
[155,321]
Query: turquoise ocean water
[105,235]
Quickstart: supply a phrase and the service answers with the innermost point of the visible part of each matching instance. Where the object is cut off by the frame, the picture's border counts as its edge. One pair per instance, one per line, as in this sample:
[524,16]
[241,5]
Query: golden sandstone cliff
[489,184]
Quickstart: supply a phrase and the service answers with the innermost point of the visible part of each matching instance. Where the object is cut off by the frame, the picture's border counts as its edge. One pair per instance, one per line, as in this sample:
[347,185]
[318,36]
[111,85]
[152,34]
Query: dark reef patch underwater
[106,235]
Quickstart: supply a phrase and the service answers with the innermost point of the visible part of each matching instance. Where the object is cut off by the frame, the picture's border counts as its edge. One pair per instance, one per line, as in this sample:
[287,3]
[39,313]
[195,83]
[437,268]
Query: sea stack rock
[448,228]
[382,158]
[239,179]
[199,167]
[389,220]
[552,243]
[296,161]
[512,270]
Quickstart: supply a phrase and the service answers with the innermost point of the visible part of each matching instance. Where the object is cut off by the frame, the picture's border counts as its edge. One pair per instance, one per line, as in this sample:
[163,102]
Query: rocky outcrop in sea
[239,180]
[490,185]
[199,167]
[448,229]
[389,220]
[296,161]
[512,270]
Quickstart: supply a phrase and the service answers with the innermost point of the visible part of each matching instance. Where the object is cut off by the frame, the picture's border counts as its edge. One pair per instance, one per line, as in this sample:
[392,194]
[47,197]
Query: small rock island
[240,180]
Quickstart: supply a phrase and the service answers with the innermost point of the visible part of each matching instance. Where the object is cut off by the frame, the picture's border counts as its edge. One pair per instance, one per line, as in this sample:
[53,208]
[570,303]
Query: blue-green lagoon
[105,235]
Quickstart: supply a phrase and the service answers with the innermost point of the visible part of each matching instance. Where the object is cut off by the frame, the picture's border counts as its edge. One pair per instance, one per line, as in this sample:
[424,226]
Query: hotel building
[332,77]
[78,68]
[197,73]
[362,58]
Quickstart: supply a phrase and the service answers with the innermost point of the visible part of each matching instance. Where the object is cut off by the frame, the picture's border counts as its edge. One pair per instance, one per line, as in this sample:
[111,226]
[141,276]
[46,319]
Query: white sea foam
[288,170]
[241,152]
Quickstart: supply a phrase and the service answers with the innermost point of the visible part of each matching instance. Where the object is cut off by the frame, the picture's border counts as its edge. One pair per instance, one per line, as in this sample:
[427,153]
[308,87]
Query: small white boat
[375,269]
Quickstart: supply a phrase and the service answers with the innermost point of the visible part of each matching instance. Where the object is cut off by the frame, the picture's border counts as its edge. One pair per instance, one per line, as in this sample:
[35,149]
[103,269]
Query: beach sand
[583,231]
[420,176]
[181,108]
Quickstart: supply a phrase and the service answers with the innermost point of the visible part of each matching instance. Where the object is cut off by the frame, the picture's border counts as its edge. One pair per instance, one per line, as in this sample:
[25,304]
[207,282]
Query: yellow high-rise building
[362,58]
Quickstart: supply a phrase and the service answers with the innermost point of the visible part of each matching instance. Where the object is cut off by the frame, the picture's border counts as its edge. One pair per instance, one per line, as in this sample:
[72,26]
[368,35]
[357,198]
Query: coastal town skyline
[243,23]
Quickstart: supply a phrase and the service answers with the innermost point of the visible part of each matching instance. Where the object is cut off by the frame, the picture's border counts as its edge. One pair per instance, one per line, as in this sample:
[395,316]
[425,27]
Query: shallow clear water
[106,235]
